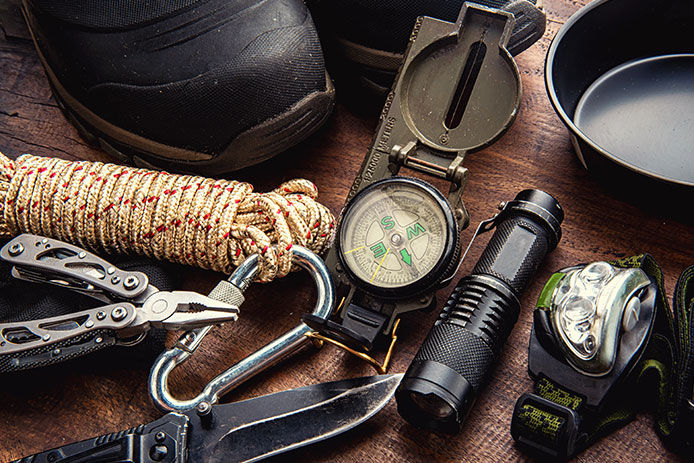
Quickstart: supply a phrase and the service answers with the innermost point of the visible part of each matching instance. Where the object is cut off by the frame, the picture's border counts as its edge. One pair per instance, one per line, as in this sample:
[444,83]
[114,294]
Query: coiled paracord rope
[213,224]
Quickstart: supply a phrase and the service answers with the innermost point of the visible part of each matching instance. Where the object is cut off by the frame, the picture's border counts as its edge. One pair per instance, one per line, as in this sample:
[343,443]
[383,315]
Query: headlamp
[603,337]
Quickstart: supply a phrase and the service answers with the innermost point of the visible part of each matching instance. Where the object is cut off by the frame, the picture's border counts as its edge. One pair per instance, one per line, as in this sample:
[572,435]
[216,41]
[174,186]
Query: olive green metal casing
[458,91]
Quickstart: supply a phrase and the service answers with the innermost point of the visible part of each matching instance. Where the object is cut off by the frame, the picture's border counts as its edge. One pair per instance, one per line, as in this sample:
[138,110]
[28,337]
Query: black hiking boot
[208,86]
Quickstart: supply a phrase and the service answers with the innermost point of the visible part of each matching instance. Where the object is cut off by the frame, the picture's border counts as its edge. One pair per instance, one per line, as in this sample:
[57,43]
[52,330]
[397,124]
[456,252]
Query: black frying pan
[620,74]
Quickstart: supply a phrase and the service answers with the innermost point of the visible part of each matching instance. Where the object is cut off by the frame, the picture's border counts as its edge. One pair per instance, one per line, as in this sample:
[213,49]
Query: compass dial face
[394,233]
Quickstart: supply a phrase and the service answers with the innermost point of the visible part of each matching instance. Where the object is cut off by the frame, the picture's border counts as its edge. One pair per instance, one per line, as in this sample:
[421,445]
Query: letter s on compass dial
[398,238]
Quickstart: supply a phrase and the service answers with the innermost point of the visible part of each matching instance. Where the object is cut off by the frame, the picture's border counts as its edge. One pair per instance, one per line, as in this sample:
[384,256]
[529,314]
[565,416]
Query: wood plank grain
[43,410]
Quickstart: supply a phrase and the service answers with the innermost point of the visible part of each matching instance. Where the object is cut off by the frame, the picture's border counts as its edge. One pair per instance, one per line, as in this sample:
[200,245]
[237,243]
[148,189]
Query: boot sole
[251,147]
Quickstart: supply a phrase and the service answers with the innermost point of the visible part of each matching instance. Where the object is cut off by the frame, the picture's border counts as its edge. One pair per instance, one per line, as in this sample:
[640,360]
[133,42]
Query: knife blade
[244,431]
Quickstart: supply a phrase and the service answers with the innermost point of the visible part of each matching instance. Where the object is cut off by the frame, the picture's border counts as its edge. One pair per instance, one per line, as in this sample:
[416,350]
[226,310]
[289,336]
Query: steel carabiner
[267,356]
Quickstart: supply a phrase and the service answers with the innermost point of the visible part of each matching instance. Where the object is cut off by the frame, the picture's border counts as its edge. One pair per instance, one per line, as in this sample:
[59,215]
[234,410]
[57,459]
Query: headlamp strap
[669,362]
[556,422]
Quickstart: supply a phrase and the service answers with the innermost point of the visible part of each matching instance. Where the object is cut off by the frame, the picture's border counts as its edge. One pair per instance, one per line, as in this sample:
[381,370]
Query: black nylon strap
[675,411]
[548,421]
[555,422]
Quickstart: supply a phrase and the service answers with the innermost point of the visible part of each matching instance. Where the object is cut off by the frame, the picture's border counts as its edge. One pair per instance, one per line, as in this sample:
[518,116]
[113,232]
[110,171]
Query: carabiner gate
[285,345]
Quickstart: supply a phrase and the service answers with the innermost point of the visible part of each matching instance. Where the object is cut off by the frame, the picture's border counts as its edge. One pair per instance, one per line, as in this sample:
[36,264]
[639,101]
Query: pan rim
[568,121]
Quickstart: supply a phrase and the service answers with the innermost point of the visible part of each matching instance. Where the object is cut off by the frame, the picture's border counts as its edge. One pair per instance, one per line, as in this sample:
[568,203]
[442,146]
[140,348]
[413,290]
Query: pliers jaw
[184,310]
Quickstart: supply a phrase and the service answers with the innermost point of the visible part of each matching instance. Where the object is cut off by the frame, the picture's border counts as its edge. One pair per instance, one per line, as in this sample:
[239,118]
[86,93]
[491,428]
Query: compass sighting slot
[473,65]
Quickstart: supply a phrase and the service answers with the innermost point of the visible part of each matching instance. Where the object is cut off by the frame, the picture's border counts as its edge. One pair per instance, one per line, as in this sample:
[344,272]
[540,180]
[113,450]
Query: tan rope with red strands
[192,220]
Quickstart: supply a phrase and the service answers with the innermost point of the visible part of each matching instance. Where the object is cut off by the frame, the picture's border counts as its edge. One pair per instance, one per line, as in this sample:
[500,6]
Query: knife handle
[161,441]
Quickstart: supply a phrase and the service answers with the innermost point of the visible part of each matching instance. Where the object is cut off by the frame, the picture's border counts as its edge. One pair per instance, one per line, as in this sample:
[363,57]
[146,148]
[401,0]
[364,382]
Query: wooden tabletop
[38,412]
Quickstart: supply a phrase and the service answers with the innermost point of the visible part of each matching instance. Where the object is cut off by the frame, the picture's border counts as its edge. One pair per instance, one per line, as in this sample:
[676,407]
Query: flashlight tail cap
[538,204]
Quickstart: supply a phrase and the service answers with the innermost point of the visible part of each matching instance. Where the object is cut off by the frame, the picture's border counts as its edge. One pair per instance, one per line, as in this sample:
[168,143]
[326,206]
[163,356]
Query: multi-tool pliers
[133,305]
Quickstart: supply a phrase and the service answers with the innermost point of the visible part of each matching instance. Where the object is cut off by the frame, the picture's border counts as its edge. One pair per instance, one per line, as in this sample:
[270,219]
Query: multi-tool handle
[134,305]
[45,260]
[161,441]
[35,343]
[30,344]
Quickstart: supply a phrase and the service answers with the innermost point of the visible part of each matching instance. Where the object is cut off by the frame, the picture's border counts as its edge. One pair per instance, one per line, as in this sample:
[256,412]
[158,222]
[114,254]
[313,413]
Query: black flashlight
[457,356]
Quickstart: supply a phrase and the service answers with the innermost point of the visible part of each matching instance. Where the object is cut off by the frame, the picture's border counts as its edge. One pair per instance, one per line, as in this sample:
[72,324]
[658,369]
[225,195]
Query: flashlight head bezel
[428,378]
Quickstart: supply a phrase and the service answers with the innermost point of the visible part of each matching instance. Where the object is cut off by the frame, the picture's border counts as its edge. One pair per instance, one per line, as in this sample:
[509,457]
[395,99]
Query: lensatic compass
[397,238]
[457,91]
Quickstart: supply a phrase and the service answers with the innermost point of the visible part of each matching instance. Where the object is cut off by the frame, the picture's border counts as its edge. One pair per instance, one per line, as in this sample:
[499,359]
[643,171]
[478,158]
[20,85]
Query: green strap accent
[667,363]
[546,295]
[539,425]
[647,263]
[660,371]
[620,415]
[552,391]
[675,416]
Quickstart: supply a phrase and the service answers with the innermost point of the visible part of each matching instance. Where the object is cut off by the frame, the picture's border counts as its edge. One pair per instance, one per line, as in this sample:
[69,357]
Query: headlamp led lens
[596,273]
[576,306]
[588,310]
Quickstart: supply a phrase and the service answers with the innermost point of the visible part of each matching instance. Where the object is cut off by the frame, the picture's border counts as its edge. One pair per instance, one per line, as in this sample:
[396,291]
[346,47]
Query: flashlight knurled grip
[480,313]
[456,359]
[482,309]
